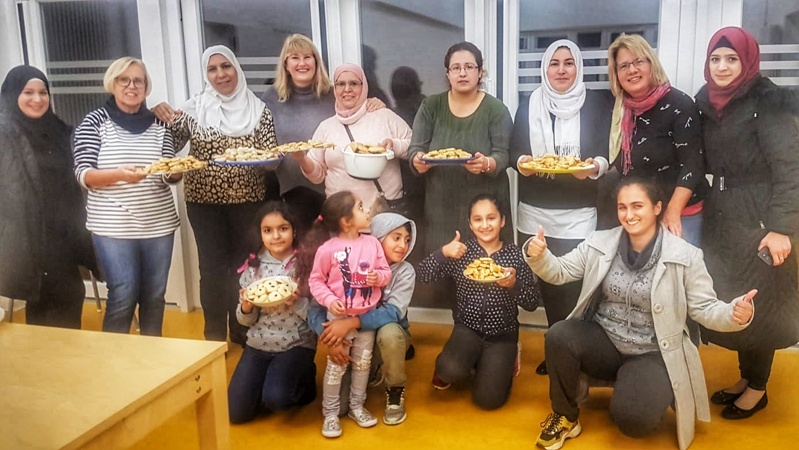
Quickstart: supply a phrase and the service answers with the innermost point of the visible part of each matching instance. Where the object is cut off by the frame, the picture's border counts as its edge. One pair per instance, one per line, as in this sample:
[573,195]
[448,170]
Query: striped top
[125,210]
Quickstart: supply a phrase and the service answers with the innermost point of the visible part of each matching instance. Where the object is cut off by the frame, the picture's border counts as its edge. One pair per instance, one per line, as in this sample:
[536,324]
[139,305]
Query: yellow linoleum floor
[447,419]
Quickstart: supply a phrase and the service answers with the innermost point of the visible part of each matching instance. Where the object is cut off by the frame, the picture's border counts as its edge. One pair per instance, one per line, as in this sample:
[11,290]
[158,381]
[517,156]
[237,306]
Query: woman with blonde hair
[301,98]
[656,133]
[131,215]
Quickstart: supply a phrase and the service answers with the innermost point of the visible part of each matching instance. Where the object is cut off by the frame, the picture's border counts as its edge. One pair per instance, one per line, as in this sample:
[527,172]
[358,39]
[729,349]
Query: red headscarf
[746,46]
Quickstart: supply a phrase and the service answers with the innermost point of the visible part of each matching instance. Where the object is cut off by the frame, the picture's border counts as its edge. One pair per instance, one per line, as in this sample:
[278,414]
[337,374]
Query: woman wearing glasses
[464,117]
[131,215]
[353,122]
[221,200]
[655,133]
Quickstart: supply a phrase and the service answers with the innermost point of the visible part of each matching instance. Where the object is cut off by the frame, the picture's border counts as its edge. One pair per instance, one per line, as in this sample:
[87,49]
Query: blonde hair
[121,65]
[639,47]
[297,43]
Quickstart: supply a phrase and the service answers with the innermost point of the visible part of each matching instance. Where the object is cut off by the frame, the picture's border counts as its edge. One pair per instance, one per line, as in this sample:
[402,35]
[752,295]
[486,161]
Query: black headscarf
[40,132]
[136,123]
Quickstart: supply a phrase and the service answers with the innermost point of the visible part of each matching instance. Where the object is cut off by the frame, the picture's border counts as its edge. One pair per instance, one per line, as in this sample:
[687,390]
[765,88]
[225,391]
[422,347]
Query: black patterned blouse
[223,184]
[667,145]
[487,309]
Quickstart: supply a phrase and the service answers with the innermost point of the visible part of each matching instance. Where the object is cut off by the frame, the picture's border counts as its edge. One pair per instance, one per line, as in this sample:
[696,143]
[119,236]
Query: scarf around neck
[646,258]
[237,114]
[136,123]
[622,128]
[546,101]
[748,51]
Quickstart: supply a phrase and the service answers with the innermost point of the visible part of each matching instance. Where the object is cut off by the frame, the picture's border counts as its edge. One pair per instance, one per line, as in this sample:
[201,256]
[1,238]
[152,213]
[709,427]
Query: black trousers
[492,359]
[559,300]
[225,235]
[642,390]
[755,367]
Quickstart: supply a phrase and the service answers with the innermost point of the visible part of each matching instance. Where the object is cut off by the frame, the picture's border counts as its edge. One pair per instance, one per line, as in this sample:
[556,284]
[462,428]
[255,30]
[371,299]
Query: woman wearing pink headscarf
[381,127]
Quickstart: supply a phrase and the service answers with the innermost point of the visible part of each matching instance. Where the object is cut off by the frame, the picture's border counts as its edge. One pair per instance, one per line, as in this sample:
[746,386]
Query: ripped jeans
[361,354]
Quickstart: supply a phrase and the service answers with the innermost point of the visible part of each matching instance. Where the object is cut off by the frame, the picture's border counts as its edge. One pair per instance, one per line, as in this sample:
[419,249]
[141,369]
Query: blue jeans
[136,272]
[265,381]
[692,229]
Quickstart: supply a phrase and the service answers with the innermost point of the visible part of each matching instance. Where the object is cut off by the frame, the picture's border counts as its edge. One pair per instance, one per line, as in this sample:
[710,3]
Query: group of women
[740,130]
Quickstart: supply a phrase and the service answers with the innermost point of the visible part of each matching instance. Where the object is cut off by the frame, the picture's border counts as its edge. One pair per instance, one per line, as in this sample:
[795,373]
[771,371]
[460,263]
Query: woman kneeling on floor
[640,283]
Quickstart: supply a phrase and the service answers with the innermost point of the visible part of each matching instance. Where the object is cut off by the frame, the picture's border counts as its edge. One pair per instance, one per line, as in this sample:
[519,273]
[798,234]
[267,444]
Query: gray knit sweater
[296,119]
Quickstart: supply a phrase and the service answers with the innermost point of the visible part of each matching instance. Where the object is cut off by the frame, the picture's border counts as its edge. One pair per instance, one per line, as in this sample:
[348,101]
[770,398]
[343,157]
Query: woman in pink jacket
[382,127]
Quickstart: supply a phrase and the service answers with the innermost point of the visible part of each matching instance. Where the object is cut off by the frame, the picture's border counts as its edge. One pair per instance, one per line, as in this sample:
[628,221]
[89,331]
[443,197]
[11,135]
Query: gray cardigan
[681,288]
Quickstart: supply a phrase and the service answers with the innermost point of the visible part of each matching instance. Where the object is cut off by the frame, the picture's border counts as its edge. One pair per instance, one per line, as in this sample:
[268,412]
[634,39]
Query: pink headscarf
[349,116]
[746,46]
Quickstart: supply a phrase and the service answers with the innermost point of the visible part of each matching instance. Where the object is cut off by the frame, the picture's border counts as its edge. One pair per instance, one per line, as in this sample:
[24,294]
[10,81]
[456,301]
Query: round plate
[507,274]
[265,162]
[286,280]
[446,161]
[556,171]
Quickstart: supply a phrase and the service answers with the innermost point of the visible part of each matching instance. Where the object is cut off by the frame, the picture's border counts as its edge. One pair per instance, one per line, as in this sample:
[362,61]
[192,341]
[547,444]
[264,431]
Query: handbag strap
[377,184]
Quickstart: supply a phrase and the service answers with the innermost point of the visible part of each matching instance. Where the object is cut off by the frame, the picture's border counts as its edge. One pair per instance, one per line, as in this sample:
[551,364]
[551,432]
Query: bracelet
[488,165]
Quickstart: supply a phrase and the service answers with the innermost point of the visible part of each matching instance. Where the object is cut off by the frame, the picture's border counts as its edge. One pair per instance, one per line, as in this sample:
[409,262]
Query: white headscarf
[235,115]
[565,107]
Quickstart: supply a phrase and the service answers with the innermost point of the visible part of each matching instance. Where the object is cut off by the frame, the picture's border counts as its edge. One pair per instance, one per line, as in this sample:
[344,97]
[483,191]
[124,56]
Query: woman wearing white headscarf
[221,200]
[560,117]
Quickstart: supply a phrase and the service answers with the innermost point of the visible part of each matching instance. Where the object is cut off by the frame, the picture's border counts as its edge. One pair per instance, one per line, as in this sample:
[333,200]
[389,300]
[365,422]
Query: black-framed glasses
[127,81]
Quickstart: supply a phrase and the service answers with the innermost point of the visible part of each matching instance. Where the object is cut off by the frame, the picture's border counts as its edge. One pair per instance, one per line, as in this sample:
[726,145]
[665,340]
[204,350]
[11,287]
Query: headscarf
[350,116]
[236,114]
[566,106]
[746,46]
[40,132]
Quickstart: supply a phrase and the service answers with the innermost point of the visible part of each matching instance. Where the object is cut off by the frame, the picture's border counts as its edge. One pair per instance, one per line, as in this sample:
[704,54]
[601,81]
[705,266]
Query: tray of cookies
[270,291]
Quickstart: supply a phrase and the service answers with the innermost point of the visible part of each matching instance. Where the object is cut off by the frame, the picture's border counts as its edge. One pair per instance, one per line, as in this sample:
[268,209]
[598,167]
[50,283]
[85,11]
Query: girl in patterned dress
[486,328]
[276,370]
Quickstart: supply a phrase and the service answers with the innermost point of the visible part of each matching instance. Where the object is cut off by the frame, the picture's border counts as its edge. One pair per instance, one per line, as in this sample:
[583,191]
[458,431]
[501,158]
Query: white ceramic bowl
[366,166]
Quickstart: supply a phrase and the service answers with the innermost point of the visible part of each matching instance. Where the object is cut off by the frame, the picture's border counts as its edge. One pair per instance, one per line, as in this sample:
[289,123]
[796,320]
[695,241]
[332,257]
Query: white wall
[10,48]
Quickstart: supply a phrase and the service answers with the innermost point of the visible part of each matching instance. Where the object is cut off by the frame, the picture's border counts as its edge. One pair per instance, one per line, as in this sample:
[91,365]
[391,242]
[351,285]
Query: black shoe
[542,368]
[724,398]
[732,412]
[410,353]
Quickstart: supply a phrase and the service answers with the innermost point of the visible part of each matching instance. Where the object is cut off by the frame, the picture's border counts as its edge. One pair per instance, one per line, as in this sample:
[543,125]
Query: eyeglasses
[127,81]
[469,68]
[348,84]
[638,63]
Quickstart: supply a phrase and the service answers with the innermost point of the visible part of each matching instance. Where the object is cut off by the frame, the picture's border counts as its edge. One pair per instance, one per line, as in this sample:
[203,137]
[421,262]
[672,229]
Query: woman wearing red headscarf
[752,150]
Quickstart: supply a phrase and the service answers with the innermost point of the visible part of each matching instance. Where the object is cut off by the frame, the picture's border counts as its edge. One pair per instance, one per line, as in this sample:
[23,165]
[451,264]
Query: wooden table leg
[212,411]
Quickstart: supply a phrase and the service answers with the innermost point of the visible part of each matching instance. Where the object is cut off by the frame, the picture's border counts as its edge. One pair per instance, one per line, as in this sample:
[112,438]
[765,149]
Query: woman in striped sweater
[131,216]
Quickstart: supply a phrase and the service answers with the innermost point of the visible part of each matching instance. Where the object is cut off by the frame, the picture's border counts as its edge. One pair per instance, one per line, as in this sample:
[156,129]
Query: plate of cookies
[178,164]
[248,156]
[485,270]
[556,164]
[447,156]
[303,146]
[270,291]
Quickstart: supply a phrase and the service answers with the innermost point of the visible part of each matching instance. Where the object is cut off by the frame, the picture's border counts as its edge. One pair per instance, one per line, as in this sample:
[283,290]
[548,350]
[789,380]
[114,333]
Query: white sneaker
[331,428]
[362,417]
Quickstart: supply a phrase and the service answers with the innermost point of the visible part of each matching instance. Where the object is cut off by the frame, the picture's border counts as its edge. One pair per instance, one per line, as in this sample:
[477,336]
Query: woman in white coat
[640,284]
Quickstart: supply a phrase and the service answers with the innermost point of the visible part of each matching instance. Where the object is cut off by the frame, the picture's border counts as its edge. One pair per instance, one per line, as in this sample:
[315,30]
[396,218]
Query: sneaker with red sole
[440,384]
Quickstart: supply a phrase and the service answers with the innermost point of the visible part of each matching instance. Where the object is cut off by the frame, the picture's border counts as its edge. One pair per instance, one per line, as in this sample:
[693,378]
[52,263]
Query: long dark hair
[254,235]
[338,206]
[650,188]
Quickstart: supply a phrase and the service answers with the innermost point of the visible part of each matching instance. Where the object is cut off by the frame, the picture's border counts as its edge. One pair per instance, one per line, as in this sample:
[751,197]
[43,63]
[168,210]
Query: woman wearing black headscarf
[42,237]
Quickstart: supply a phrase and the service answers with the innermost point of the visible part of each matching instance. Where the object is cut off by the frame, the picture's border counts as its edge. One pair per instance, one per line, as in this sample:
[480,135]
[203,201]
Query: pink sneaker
[440,384]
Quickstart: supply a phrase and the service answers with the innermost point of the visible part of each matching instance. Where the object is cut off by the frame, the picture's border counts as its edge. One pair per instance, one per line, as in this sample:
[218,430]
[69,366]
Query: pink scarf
[349,116]
[633,108]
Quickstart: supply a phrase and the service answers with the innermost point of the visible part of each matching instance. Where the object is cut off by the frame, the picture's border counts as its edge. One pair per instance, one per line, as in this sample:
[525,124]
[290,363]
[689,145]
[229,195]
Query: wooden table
[84,389]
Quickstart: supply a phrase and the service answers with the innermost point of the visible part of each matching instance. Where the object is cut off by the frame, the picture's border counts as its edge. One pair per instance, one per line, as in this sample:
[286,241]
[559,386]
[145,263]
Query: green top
[449,189]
